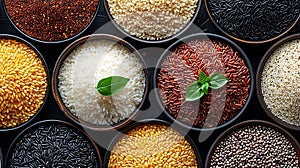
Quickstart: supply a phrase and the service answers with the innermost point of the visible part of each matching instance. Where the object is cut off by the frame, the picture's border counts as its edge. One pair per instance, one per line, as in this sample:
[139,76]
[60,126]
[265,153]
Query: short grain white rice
[82,70]
[280,82]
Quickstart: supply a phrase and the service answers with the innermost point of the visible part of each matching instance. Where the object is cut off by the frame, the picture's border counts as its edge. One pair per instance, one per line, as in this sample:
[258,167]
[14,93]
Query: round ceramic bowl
[50,136]
[277,118]
[27,96]
[126,33]
[54,40]
[87,40]
[246,124]
[238,16]
[175,71]
[147,125]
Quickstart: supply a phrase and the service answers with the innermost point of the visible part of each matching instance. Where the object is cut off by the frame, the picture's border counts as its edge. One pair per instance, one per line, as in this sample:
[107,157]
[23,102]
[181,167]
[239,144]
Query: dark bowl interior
[258,81]
[48,122]
[55,81]
[1,159]
[50,42]
[204,36]
[12,37]
[251,123]
[243,40]
[152,41]
[145,122]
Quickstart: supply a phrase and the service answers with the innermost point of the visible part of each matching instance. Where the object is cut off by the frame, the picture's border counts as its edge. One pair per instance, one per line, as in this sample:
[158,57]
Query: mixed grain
[280,82]
[152,19]
[255,146]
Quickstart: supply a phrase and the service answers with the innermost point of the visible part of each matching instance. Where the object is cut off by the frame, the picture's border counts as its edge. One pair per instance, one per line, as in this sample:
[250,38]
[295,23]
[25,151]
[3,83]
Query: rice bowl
[82,69]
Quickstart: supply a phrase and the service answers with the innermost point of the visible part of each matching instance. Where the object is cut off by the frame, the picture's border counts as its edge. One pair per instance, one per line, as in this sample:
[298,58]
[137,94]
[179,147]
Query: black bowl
[55,81]
[1,159]
[12,37]
[204,36]
[258,82]
[47,123]
[151,121]
[251,123]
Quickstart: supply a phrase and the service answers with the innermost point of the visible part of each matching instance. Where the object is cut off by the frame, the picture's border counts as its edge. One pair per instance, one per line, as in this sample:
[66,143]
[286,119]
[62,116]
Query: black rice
[53,145]
[254,20]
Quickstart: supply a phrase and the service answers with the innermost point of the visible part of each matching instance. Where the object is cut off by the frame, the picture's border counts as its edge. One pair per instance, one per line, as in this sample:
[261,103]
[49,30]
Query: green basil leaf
[111,85]
[203,78]
[204,88]
[217,80]
[194,92]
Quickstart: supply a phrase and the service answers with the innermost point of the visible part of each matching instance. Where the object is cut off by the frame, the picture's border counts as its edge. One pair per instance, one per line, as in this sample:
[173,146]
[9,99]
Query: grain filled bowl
[254,21]
[24,82]
[52,21]
[254,143]
[152,21]
[186,76]
[100,82]
[277,82]
[53,143]
[152,143]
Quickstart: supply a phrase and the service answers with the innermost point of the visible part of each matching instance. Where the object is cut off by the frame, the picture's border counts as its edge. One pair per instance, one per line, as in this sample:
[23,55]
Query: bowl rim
[51,42]
[244,124]
[204,36]
[56,122]
[184,29]
[55,81]
[152,122]
[249,41]
[40,56]
[261,65]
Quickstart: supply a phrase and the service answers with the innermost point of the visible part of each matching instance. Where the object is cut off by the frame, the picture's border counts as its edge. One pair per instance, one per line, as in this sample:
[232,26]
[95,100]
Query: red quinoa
[52,20]
[182,67]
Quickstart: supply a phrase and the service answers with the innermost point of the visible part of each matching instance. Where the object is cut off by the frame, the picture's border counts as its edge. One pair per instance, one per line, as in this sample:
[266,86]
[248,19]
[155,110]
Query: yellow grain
[152,145]
[23,83]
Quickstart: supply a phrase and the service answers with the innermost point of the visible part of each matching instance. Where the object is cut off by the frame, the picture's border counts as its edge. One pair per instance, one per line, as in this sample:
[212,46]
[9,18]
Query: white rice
[81,72]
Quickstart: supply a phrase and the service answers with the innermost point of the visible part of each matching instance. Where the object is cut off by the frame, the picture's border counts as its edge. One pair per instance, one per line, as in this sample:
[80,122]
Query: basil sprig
[200,87]
[111,85]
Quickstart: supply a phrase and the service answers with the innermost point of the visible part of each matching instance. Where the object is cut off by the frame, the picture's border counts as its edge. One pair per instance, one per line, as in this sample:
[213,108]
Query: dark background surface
[151,54]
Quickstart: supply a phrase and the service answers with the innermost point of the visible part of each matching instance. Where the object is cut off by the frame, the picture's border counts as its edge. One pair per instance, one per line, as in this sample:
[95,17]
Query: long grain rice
[82,70]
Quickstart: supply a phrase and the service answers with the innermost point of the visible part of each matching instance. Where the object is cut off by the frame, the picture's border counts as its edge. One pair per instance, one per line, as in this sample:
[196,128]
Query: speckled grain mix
[255,146]
[52,20]
[280,82]
[182,67]
[23,83]
[152,19]
[152,145]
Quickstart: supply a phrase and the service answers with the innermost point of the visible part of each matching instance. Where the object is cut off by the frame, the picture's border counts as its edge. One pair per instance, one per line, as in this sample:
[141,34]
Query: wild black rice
[53,145]
[254,20]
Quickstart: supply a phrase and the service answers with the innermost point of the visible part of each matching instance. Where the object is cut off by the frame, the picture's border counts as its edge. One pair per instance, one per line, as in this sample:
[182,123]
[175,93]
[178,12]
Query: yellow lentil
[152,145]
[23,83]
